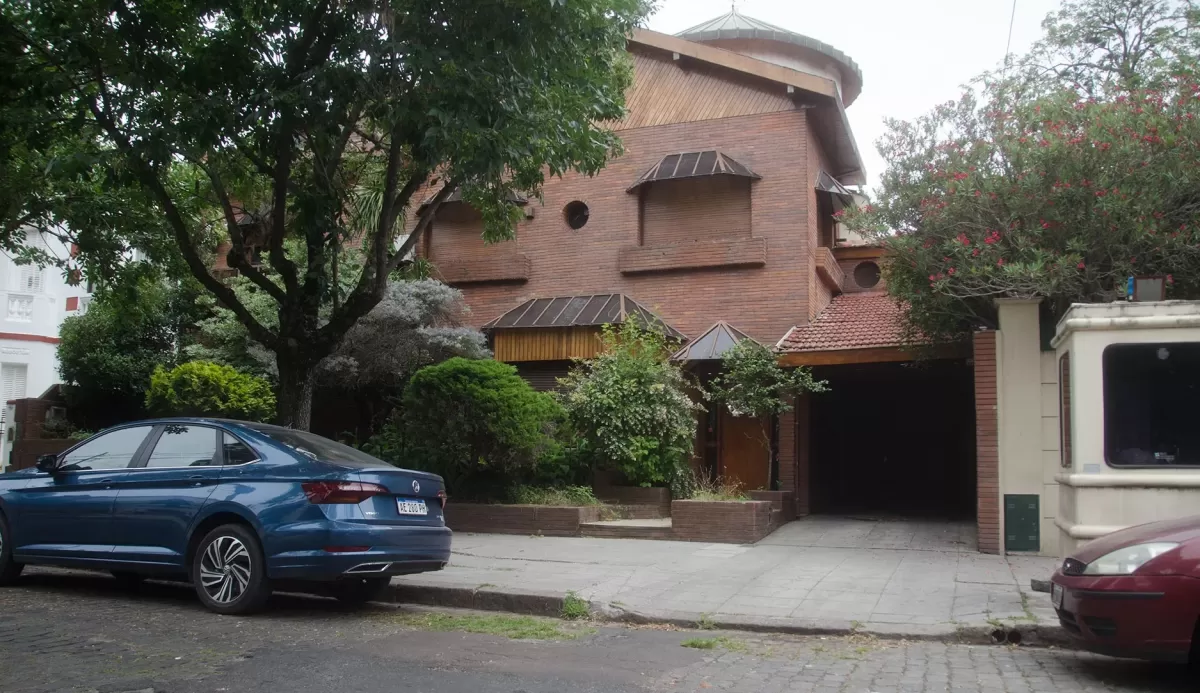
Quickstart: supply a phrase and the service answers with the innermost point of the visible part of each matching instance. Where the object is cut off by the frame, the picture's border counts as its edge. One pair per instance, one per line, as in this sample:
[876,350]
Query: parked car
[234,507]
[1135,593]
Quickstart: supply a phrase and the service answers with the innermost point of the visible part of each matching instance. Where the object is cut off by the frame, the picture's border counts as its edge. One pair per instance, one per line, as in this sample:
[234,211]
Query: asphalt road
[78,632]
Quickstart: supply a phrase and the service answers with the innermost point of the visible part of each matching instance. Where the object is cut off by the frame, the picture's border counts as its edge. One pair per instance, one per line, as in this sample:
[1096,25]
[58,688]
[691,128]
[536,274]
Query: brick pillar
[802,452]
[987,444]
[787,451]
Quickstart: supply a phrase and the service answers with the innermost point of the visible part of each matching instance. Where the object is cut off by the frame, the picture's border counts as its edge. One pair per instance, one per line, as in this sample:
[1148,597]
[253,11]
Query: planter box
[547,520]
[782,502]
[729,522]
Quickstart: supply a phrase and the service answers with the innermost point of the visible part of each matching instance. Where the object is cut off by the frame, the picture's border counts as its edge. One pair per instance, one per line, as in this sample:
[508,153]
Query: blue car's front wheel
[229,571]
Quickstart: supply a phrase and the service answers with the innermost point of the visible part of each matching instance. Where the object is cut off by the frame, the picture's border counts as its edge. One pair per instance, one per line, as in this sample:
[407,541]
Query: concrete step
[639,512]
[628,529]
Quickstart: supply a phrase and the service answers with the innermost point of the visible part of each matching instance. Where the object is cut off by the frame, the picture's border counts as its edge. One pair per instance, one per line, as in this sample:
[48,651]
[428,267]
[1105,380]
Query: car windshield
[318,448]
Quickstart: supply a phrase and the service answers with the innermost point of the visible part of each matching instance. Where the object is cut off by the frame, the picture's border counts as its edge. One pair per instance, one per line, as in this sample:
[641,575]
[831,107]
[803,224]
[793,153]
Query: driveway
[881,576]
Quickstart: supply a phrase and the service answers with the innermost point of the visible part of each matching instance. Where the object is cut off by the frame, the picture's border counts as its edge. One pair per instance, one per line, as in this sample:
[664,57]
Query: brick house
[718,222]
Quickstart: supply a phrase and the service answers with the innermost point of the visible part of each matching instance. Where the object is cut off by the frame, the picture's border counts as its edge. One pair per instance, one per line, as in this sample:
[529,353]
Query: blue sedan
[233,506]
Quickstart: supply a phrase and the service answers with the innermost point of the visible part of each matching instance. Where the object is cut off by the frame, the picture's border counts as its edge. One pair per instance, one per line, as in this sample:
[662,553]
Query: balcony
[506,267]
[828,270]
[737,252]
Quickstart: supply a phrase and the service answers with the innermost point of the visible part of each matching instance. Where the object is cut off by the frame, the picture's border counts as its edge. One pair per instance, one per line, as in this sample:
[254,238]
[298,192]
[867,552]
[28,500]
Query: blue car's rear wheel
[229,571]
[10,570]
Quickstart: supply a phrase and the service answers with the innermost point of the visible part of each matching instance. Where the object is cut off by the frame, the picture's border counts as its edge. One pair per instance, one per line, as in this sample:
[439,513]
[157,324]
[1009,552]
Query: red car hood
[1178,531]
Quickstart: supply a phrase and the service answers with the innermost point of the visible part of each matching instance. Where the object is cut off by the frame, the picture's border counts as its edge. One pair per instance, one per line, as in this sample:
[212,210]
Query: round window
[866,275]
[576,214]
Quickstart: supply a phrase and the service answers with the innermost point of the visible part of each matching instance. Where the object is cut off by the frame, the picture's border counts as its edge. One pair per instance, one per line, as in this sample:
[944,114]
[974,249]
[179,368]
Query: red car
[1135,593]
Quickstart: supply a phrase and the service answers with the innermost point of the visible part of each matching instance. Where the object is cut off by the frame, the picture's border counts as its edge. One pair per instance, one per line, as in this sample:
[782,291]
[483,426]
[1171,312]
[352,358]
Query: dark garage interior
[894,439]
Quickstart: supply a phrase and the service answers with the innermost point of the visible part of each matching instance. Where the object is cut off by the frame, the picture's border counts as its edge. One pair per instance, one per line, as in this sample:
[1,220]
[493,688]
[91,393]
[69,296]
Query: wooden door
[744,453]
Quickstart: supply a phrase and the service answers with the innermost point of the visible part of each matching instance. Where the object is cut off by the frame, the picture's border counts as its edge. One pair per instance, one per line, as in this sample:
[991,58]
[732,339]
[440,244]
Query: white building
[34,301]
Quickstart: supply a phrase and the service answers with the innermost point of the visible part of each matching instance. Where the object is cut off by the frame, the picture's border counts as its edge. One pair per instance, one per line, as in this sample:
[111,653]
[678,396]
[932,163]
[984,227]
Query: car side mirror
[48,463]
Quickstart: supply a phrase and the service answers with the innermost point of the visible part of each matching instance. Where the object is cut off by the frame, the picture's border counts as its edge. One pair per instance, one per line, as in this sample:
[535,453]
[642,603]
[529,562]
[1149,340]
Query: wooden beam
[737,62]
[858,252]
[870,355]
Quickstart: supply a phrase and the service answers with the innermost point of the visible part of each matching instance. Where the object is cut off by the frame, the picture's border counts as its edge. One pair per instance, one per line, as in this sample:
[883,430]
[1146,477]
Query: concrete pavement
[825,575]
[85,633]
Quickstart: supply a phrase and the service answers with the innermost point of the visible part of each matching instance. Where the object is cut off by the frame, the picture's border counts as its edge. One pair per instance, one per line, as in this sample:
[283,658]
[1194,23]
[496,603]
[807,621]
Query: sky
[914,54]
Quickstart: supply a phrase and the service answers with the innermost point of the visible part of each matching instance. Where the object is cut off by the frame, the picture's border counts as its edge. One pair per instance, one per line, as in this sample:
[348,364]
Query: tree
[298,126]
[629,406]
[478,424]
[751,383]
[106,355]
[1101,47]
[1035,193]
[200,388]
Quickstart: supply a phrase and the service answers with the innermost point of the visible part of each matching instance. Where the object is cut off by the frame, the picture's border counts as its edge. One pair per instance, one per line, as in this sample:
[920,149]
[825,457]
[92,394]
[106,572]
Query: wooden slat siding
[987,473]
[665,93]
[546,344]
[696,209]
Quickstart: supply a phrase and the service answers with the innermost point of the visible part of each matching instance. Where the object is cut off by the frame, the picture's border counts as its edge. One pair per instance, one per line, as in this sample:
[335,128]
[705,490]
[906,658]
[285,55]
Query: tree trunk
[294,396]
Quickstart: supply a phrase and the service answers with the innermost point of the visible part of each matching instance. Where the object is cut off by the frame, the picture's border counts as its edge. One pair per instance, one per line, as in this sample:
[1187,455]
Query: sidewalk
[829,575]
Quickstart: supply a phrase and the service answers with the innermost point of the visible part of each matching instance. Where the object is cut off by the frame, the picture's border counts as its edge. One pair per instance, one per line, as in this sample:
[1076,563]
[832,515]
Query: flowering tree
[1019,191]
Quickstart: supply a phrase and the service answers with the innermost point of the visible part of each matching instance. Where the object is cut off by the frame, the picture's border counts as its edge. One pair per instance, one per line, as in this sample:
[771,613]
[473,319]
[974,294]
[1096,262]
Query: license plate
[411,507]
[1056,595]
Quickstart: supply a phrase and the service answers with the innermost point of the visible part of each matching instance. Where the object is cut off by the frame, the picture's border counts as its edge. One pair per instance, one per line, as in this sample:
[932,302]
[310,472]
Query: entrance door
[744,454]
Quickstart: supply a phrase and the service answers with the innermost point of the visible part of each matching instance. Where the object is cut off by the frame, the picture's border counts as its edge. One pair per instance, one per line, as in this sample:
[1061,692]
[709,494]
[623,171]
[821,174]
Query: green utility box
[1022,522]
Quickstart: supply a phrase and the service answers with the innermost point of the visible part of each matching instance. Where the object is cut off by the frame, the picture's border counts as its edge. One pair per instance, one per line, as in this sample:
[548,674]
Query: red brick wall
[803,453]
[787,451]
[695,209]
[764,301]
[721,521]
[987,475]
[519,519]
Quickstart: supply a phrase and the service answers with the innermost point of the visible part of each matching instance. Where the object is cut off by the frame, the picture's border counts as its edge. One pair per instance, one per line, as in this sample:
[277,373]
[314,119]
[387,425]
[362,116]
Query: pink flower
[950,271]
[1080,265]
[933,277]
[1170,279]
[1000,262]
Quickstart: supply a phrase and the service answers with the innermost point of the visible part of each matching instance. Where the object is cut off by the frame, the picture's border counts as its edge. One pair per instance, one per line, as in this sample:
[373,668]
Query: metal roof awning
[711,345]
[693,165]
[456,196]
[581,311]
[841,195]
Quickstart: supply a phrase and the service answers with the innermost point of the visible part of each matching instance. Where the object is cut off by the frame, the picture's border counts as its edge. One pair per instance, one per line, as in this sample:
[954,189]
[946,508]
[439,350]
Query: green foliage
[478,424]
[1057,190]
[106,355]
[564,496]
[704,488]
[630,407]
[168,126]
[752,383]
[201,388]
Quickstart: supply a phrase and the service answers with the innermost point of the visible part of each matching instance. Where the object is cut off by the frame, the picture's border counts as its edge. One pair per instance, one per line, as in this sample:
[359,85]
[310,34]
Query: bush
[202,388]
[631,409]
[478,424]
[106,355]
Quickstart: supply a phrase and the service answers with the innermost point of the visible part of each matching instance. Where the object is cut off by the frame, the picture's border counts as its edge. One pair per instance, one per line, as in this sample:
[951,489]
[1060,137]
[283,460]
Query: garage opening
[894,439]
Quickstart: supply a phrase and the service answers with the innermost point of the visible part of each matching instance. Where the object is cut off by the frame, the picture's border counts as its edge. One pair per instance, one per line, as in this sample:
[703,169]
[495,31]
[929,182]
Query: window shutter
[12,385]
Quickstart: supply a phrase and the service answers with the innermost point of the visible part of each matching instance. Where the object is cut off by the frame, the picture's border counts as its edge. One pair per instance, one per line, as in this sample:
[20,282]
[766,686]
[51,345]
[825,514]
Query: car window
[318,448]
[184,446]
[113,450]
[236,451]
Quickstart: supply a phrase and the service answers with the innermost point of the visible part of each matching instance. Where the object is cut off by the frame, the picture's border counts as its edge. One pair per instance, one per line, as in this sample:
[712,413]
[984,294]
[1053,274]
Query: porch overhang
[892,354]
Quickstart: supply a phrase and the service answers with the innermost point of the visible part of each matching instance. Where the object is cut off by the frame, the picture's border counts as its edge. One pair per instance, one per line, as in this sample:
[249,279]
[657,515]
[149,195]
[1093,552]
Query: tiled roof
[851,321]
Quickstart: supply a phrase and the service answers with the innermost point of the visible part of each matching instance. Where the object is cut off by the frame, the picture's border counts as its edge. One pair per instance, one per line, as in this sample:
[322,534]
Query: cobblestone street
[76,632]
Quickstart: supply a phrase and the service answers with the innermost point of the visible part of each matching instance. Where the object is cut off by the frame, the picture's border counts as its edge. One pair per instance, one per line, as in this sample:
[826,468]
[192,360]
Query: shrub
[478,424]
[703,488]
[202,388]
[630,407]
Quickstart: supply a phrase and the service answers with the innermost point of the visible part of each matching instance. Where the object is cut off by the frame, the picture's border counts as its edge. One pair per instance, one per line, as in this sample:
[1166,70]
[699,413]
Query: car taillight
[352,492]
[442,498]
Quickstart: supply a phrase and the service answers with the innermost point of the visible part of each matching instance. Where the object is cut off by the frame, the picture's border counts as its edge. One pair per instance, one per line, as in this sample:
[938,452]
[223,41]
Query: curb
[542,604]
